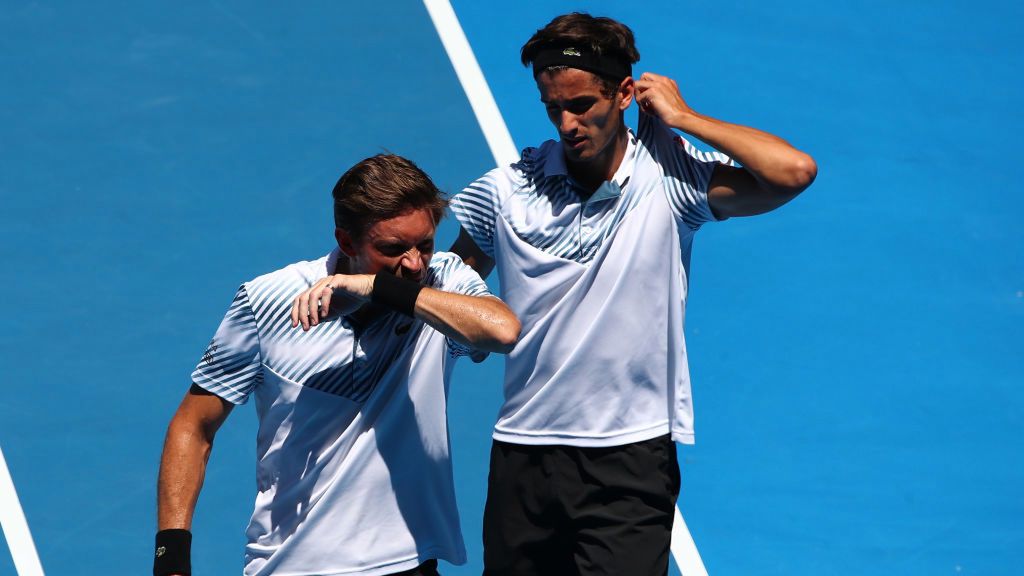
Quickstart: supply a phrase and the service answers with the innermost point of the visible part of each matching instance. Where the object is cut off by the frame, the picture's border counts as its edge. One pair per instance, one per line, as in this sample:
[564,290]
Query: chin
[574,155]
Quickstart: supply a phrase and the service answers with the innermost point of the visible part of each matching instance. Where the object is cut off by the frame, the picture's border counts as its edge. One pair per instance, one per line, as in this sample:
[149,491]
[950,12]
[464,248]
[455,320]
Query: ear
[345,242]
[627,88]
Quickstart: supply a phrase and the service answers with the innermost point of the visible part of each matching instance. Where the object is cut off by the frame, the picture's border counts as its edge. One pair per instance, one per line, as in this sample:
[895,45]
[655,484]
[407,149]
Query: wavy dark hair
[602,36]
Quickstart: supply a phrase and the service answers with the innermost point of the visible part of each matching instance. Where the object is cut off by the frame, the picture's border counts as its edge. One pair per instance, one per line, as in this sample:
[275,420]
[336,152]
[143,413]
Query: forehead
[567,84]
[409,227]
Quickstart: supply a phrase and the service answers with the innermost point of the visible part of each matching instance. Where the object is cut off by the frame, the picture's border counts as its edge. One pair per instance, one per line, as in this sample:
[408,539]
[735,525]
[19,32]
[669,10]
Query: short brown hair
[602,36]
[383,187]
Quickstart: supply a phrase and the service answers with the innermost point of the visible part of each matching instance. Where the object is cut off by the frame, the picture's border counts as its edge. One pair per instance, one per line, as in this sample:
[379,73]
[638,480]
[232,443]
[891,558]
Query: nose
[412,261]
[567,122]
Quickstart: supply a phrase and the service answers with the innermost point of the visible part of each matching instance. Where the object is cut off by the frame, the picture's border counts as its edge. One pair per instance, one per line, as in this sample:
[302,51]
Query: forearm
[482,322]
[776,164]
[182,469]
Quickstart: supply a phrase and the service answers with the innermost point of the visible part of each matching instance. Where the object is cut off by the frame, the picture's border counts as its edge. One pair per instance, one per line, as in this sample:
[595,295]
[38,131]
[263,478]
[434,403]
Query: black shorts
[563,510]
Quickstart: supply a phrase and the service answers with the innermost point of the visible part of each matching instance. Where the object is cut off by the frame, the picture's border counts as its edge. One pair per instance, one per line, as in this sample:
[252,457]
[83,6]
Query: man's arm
[186,452]
[773,172]
[471,254]
[483,322]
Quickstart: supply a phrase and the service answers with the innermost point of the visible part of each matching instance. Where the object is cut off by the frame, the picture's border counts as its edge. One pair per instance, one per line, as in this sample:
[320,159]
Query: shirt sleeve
[687,170]
[231,365]
[476,209]
[453,275]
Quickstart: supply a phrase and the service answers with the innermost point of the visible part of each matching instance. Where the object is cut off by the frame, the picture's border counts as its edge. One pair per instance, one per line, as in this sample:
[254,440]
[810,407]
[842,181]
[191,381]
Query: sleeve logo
[210,351]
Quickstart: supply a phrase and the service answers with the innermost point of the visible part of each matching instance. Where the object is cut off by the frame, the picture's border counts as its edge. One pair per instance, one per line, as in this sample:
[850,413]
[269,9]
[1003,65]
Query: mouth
[574,143]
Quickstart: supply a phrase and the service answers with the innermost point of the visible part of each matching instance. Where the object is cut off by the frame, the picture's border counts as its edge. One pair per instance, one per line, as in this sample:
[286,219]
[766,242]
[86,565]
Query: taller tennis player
[591,237]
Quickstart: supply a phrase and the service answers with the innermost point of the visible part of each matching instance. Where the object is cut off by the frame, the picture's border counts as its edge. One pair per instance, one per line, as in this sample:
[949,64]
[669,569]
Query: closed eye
[392,250]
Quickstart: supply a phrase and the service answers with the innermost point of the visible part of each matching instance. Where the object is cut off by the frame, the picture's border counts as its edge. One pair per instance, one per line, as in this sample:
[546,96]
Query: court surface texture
[857,356]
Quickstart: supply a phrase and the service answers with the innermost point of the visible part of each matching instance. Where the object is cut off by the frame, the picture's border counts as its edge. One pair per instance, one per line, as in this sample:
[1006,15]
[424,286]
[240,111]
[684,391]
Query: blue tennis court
[857,356]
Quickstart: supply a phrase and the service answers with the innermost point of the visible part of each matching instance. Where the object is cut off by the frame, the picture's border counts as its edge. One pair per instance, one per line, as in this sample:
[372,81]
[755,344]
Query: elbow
[510,335]
[802,172]
[792,179]
[506,335]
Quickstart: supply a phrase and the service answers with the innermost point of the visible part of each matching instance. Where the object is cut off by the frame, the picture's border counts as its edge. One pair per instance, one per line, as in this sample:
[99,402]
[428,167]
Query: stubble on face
[588,122]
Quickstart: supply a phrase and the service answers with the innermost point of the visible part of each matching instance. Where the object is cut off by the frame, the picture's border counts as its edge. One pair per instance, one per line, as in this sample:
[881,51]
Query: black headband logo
[611,66]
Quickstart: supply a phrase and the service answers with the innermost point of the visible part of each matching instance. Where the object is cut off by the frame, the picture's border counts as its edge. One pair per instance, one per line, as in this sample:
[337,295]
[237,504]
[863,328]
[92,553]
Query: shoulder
[530,167]
[284,283]
[448,272]
[445,264]
[535,159]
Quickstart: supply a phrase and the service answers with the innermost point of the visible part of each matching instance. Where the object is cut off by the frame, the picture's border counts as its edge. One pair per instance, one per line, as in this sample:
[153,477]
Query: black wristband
[395,293]
[173,552]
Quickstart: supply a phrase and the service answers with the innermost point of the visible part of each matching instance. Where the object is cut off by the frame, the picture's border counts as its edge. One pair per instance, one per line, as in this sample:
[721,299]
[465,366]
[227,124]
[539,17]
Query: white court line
[684,550]
[473,82]
[505,152]
[12,520]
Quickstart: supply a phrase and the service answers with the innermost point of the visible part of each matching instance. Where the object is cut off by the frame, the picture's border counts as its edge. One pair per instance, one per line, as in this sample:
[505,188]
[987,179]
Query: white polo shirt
[599,285]
[353,470]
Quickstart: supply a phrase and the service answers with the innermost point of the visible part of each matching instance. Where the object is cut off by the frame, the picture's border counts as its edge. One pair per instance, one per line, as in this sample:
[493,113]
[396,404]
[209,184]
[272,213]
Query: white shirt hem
[389,568]
[530,438]
[682,437]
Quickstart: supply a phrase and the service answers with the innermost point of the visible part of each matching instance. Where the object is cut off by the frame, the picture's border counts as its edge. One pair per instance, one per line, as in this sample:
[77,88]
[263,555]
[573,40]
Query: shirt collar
[554,165]
[332,262]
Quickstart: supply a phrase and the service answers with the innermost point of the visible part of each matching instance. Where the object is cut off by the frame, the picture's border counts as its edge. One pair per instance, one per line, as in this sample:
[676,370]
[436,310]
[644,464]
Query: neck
[342,265]
[592,173]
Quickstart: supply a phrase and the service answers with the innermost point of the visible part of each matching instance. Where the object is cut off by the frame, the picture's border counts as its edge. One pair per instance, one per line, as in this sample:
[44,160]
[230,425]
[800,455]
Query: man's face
[587,121]
[402,245]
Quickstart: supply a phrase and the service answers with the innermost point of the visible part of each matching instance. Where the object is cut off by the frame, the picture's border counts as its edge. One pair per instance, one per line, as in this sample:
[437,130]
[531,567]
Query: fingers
[647,87]
[649,80]
[645,98]
[317,294]
[300,310]
[312,305]
[660,96]
[325,299]
[295,311]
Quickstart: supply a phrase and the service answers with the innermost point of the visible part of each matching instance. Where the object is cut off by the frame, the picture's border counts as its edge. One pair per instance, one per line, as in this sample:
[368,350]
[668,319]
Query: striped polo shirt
[599,283]
[353,468]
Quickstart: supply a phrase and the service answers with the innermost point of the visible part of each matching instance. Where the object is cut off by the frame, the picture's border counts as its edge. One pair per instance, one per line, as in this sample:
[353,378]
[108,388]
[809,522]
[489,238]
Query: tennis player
[591,237]
[353,470]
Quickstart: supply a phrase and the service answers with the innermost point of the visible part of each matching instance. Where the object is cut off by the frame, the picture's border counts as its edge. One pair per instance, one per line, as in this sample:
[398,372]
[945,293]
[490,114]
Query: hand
[659,96]
[349,292]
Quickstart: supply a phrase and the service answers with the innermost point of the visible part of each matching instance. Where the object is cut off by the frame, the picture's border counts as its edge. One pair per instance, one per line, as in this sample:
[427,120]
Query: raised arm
[483,322]
[773,172]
